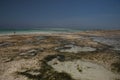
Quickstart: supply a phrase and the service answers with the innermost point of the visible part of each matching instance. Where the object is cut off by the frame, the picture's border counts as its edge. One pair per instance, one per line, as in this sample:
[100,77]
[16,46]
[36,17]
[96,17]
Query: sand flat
[83,70]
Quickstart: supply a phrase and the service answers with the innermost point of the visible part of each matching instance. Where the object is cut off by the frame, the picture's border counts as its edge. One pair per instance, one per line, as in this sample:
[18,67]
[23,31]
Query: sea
[38,30]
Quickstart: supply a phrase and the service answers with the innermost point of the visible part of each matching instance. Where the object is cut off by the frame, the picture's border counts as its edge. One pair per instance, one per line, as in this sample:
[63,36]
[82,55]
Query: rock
[61,57]
[34,73]
[31,52]
[112,42]
[5,44]
[28,41]
[8,60]
[40,37]
[74,49]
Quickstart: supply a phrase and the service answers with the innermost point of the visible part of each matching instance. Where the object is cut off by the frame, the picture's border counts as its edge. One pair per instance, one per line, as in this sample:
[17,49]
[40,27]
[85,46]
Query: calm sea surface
[20,31]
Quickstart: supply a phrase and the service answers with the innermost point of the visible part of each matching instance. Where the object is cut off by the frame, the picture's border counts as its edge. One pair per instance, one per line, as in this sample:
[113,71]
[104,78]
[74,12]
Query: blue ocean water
[37,30]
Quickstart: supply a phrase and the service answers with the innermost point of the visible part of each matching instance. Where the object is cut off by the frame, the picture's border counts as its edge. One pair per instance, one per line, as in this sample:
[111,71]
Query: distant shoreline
[36,31]
[25,32]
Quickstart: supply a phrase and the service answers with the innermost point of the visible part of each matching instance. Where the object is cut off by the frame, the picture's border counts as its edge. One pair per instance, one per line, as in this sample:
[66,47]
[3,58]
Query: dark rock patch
[116,67]
[58,56]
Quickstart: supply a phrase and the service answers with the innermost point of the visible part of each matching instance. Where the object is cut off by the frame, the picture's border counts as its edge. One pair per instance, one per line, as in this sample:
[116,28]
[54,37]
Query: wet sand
[85,55]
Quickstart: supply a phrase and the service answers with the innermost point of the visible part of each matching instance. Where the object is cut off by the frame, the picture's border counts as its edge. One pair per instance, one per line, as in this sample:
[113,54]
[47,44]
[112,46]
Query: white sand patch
[76,49]
[83,70]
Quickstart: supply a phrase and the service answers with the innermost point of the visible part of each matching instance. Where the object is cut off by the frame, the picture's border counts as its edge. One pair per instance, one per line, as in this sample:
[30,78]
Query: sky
[89,14]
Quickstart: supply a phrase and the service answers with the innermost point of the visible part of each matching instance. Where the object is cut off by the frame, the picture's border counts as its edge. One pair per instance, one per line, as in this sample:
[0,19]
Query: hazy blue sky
[94,14]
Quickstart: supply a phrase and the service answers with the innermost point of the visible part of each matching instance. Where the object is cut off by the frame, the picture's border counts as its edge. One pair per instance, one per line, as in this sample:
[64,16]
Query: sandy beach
[85,55]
